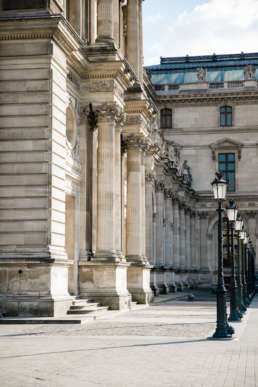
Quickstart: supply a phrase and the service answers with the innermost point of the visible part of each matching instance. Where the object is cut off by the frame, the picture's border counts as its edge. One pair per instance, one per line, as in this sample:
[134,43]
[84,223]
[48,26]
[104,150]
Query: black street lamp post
[245,241]
[223,330]
[235,314]
[238,227]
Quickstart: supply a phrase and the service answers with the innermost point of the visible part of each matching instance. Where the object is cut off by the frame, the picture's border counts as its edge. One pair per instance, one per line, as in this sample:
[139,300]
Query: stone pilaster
[169,275]
[104,21]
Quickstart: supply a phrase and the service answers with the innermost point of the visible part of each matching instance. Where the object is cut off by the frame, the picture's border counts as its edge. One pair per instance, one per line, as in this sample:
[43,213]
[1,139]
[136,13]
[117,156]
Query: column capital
[135,141]
[149,177]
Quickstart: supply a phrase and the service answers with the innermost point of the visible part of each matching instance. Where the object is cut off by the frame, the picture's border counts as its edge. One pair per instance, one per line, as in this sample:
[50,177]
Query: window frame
[227,170]
[166,121]
[227,114]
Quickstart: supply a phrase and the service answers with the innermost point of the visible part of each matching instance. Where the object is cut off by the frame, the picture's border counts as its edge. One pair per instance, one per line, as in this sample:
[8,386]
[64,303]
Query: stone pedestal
[105,283]
[138,277]
[34,289]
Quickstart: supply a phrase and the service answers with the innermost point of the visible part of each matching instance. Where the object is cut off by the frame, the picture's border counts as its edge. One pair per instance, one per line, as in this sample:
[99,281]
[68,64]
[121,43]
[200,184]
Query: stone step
[82,301]
[86,310]
[85,305]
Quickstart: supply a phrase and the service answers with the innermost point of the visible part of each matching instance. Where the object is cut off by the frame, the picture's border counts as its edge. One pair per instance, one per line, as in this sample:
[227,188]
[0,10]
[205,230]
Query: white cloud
[221,26]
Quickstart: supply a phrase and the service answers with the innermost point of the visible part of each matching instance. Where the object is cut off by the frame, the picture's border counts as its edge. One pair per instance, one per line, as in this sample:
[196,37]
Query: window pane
[229,119]
[222,119]
[222,157]
[229,109]
[231,180]
[231,156]
[222,167]
[222,109]
[231,166]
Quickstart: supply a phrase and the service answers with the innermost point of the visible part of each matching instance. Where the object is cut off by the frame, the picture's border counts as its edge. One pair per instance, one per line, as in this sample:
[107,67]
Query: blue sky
[198,27]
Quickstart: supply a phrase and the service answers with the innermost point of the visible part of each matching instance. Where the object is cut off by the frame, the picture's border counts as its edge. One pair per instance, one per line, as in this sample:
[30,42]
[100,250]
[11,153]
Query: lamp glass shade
[219,187]
[242,235]
[238,225]
[232,211]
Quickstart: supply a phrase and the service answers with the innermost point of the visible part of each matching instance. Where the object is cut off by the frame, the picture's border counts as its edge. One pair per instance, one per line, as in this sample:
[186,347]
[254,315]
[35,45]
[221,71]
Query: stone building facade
[92,198]
[208,108]
[96,201]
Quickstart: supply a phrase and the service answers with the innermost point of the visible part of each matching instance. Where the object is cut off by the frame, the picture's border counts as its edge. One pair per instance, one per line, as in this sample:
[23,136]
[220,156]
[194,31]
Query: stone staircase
[85,306]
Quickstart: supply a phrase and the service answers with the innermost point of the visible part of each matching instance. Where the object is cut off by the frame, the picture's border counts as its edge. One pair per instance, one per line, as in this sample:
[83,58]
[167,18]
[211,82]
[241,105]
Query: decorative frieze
[100,86]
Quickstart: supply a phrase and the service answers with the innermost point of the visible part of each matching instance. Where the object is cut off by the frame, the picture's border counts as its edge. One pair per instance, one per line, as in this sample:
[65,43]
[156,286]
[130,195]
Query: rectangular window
[226,116]
[228,169]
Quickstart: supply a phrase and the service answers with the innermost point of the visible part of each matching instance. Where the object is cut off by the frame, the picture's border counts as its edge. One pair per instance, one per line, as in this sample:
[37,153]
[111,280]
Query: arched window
[226,116]
[166,118]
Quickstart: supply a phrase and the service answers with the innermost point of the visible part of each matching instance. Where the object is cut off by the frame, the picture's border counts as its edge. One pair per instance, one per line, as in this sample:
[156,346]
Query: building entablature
[243,97]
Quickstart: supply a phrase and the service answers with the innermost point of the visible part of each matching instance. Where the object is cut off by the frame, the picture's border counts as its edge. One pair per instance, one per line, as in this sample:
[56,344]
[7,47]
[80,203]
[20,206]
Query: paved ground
[164,345]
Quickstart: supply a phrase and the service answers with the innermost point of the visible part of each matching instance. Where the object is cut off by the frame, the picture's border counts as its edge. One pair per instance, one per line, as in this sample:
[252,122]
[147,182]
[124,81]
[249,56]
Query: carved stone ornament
[108,111]
[101,86]
[91,116]
[201,74]
[250,72]
[136,142]
[159,186]
[133,120]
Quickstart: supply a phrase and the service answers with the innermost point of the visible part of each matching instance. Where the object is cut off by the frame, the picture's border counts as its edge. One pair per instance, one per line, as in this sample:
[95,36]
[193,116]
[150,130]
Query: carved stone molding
[133,120]
[226,144]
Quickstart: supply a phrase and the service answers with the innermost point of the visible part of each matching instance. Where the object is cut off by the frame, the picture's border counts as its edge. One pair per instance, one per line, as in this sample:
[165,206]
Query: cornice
[242,96]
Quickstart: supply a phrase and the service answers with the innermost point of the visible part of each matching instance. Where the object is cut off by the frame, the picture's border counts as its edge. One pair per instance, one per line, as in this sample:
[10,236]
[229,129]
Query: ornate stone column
[198,241]
[188,245]
[176,236]
[160,237]
[104,21]
[193,264]
[151,226]
[204,268]
[139,270]
[104,278]
[182,236]
[169,275]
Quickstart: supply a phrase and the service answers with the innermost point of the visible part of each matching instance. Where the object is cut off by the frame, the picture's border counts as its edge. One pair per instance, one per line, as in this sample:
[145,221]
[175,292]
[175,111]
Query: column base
[105,282]
[138,278]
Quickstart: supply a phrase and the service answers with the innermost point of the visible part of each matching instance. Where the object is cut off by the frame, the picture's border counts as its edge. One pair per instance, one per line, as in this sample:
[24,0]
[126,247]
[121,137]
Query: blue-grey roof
[219,68]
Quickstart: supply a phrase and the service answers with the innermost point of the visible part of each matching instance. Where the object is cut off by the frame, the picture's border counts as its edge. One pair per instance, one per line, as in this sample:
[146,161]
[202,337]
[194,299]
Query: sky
[198,27]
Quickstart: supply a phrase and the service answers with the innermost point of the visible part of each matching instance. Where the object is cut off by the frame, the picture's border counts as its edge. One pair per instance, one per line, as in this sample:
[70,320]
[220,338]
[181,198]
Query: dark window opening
[166,118]
[228,169]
